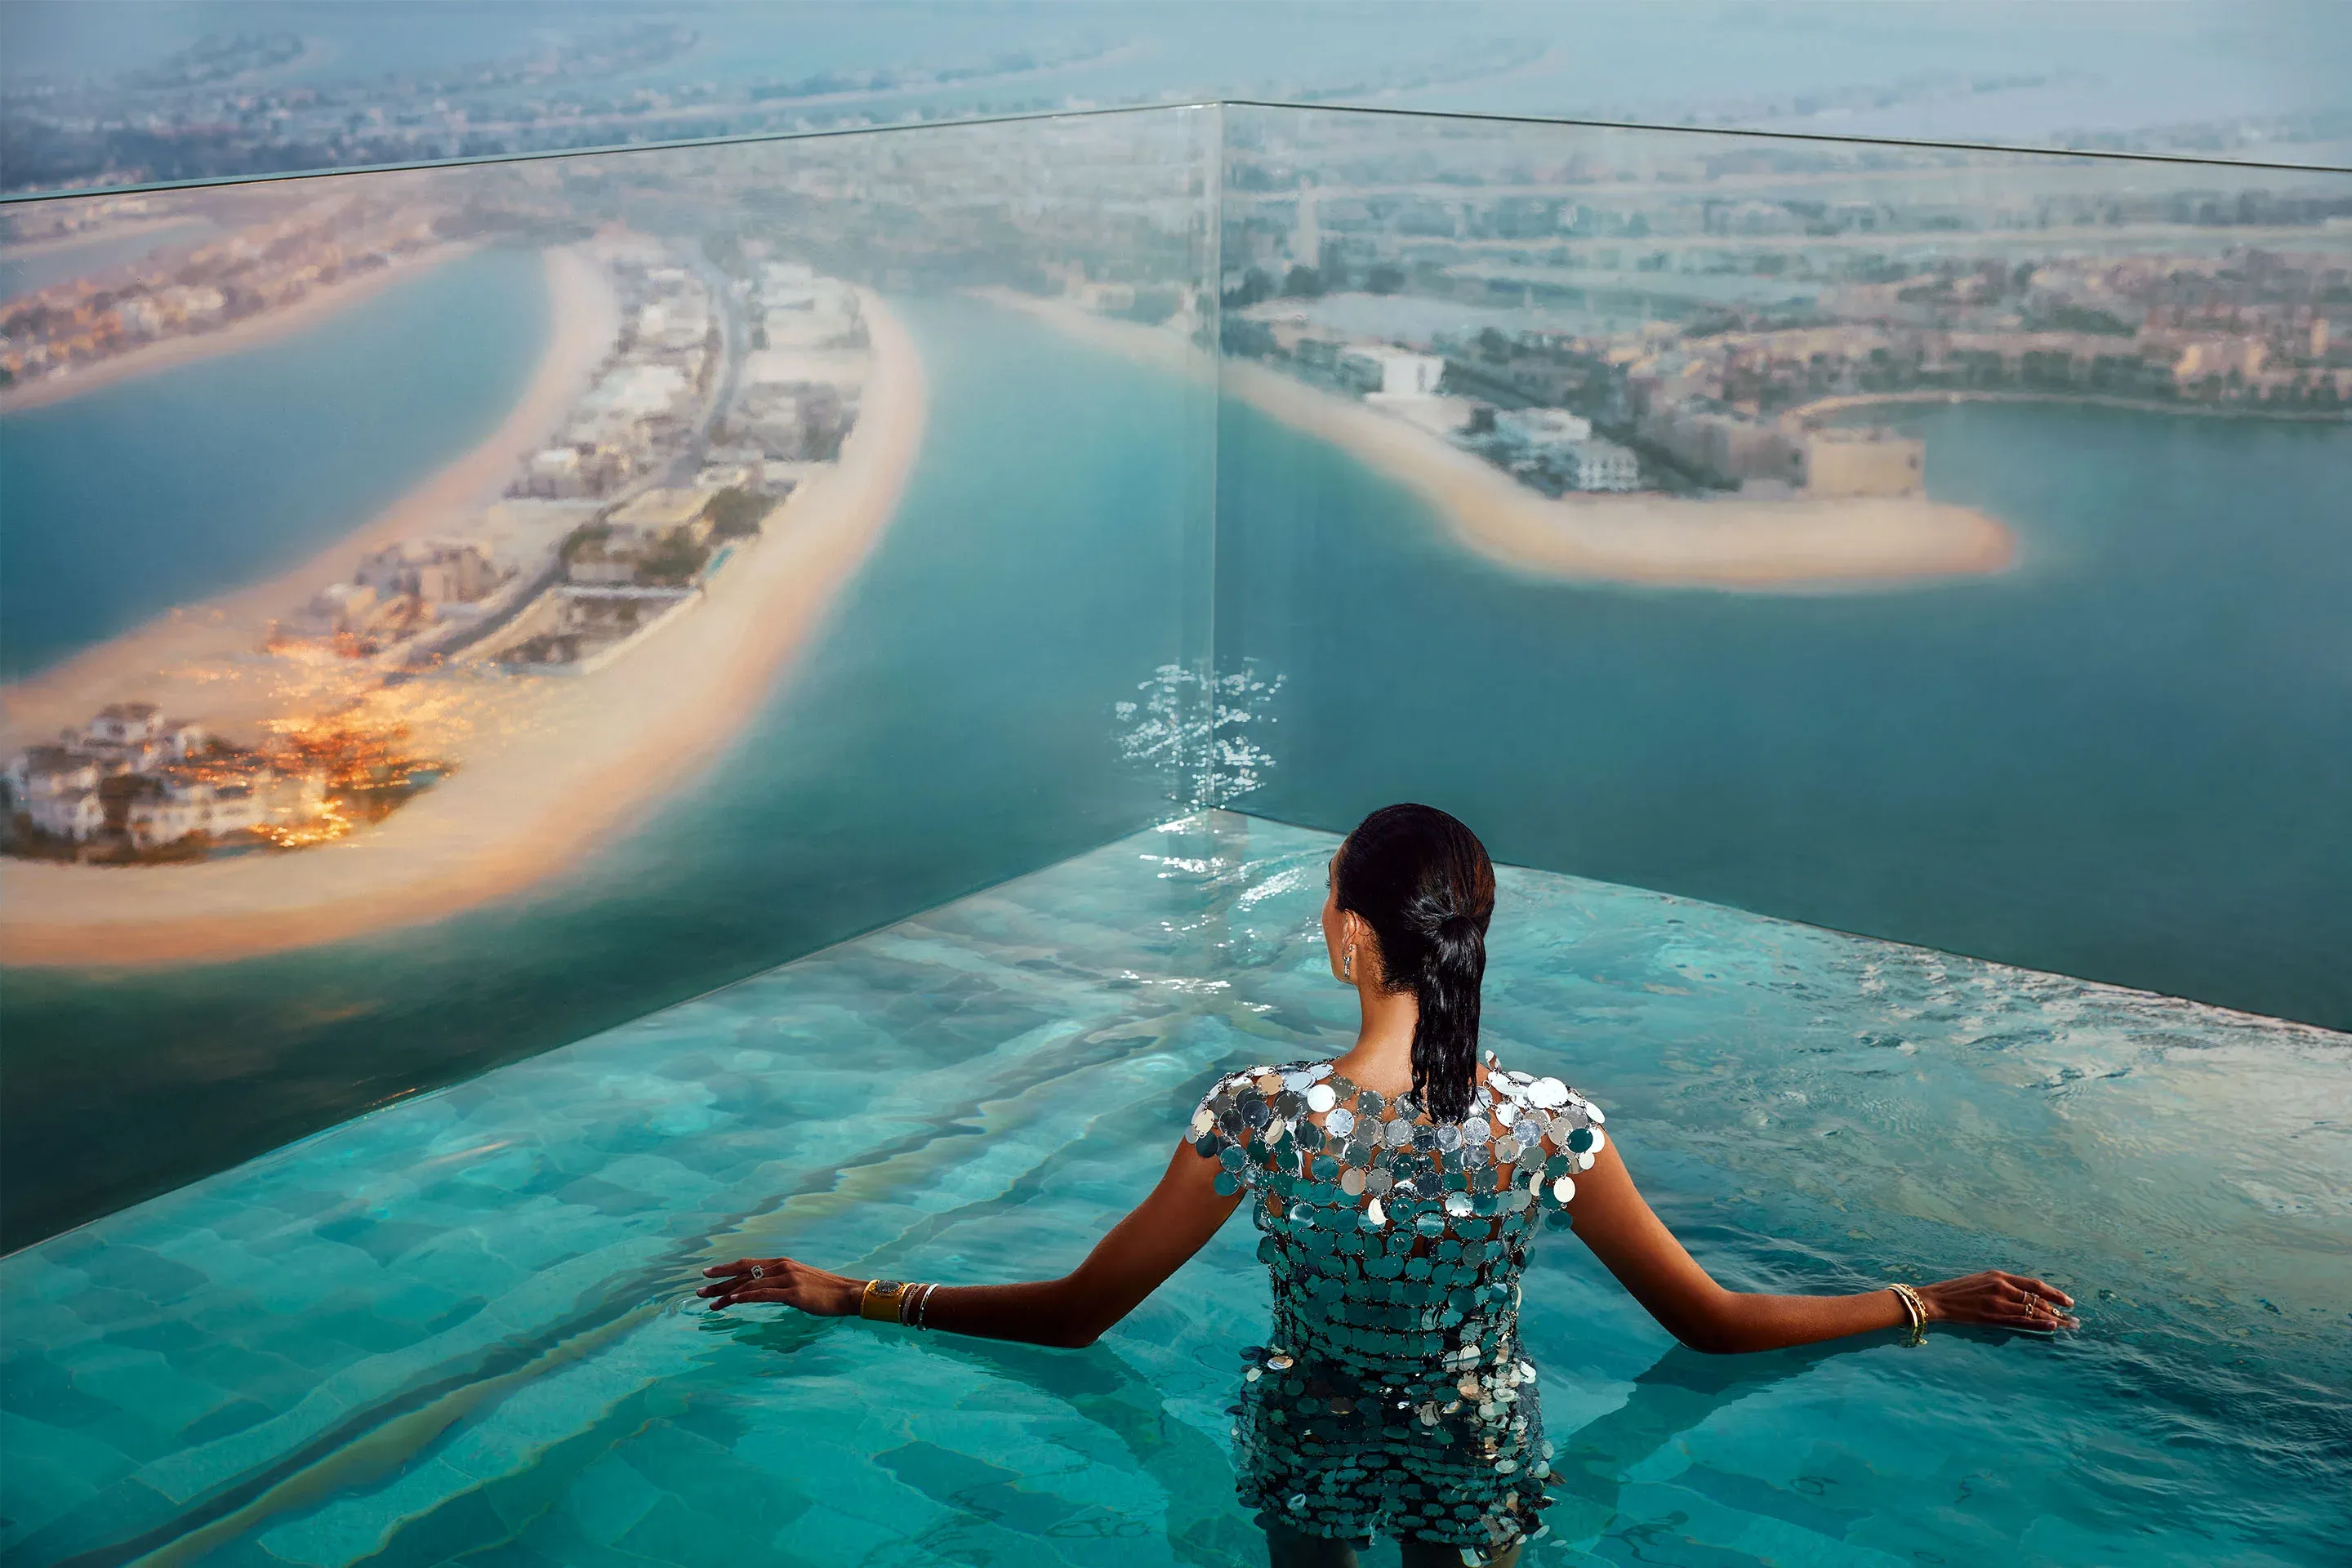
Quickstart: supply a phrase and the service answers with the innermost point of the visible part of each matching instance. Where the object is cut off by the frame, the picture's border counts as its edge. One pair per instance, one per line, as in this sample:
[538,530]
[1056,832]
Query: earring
[1348,961]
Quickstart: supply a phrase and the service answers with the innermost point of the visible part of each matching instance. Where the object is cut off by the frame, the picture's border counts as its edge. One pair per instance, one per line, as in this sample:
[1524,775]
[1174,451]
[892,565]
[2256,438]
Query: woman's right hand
[819,1292]
[1998,1298]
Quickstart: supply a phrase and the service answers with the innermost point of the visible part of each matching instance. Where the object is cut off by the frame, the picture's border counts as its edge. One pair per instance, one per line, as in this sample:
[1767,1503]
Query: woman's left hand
[815,1291]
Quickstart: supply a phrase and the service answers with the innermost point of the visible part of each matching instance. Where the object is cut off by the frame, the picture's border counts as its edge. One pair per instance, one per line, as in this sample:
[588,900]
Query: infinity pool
[460,1327]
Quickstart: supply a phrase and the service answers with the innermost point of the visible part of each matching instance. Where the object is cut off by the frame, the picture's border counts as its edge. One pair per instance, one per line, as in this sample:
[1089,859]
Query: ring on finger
[758,1271]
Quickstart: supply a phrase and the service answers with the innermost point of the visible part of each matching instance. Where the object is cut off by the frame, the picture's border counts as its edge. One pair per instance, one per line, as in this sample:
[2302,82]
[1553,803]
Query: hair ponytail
[1422,882]
[1445,1035]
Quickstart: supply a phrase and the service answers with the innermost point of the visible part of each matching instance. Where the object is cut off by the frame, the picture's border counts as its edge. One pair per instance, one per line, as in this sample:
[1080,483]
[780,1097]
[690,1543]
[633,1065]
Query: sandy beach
[1797,545]
[554,765]
[1800,544]
[205,659]
[251,333]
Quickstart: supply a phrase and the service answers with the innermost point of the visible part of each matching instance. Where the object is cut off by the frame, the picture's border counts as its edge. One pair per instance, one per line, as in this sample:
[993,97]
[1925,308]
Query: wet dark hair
[1422,882]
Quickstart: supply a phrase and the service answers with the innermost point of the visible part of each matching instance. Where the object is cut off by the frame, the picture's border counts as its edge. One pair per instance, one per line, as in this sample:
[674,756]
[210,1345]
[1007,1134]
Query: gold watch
[881,1301]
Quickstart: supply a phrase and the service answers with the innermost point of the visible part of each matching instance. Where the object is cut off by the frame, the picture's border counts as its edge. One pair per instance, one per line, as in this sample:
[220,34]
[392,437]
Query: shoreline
[1822,405]
[1155,346]
[1644,539]
[251,333]
[558,766]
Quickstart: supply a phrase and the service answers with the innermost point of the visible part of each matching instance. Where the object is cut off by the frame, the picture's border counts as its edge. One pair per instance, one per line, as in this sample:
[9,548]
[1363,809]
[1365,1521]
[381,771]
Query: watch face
[889,1287]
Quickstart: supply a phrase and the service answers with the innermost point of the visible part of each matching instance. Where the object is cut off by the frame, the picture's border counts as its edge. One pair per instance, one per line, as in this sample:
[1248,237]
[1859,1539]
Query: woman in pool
[1398,1187]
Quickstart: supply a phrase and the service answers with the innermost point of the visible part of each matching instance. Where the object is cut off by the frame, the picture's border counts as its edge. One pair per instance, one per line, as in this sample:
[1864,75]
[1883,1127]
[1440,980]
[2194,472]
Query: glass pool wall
[1983,583]
[964,643]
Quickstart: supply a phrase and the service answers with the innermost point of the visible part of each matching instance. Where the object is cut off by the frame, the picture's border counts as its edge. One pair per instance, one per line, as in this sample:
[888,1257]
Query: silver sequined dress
[1393,1398]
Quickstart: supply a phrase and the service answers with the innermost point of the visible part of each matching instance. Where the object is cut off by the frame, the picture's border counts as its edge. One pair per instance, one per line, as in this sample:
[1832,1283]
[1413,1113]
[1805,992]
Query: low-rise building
[659,514]
[1394,371]
[46,773]
[166,811]
[556,471]
[134,737]
[1854,462]
[76,814]
[1599,465]
[242,796]
[578,629]
[2199,355]
[125,724]
[1531,430]
[1556,449]
[1718,444]
[433,571]
[174,782]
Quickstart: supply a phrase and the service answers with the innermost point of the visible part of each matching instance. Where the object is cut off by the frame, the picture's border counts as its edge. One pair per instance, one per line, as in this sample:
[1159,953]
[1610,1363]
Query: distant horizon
[438,79]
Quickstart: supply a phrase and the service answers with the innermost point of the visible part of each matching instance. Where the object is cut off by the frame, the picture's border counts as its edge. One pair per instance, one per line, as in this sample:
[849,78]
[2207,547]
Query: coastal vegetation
[736,513]
[673,560]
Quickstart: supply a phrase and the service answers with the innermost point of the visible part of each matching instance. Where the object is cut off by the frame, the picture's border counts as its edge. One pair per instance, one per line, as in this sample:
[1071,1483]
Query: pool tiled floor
[458,1328]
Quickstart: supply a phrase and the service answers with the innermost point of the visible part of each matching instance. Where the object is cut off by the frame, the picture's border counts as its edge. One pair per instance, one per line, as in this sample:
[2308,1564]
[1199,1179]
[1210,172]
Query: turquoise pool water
[460,1327]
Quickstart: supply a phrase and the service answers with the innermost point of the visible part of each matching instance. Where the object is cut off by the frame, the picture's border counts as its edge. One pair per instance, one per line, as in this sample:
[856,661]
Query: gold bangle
[1915,1308]
[881,1299]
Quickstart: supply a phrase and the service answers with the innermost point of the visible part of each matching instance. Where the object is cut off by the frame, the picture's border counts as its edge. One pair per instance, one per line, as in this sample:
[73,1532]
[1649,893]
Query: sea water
[174,486]
[2126,758]
[464,1326]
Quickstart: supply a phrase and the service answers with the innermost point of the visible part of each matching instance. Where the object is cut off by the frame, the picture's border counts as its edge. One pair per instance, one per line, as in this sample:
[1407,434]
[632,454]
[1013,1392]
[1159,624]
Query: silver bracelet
[923,1308]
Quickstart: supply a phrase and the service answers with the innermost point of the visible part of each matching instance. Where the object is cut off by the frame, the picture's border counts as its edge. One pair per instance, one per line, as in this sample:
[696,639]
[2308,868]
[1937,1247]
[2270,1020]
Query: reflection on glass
[385,552]
[1937,544]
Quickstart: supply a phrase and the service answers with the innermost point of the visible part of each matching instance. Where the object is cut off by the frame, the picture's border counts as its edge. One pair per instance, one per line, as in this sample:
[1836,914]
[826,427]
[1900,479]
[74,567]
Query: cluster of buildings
[1548,448]
[2172,329]
[268,266]
[146,781]
[623,576]
[184,119]
[797,394]
[1659,396]
[649,396]
[720,397]
[1687,325]
[404,591]
[641,560]
[1555,451]
[1735,408]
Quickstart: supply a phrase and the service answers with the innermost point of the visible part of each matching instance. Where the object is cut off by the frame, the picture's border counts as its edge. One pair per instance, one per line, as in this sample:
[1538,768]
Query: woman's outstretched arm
[1635,1245]
[1141,1250]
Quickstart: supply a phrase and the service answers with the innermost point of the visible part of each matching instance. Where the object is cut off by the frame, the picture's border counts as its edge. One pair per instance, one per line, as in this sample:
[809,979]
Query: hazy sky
[2106,65]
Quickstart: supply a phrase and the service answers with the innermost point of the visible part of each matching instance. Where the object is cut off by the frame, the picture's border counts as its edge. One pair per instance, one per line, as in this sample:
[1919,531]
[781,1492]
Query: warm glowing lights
[329,825]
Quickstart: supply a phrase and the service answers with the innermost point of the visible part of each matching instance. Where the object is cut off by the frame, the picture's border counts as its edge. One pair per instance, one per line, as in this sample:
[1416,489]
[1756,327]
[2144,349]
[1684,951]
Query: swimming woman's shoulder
[1537,1093]
[1269,1078]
